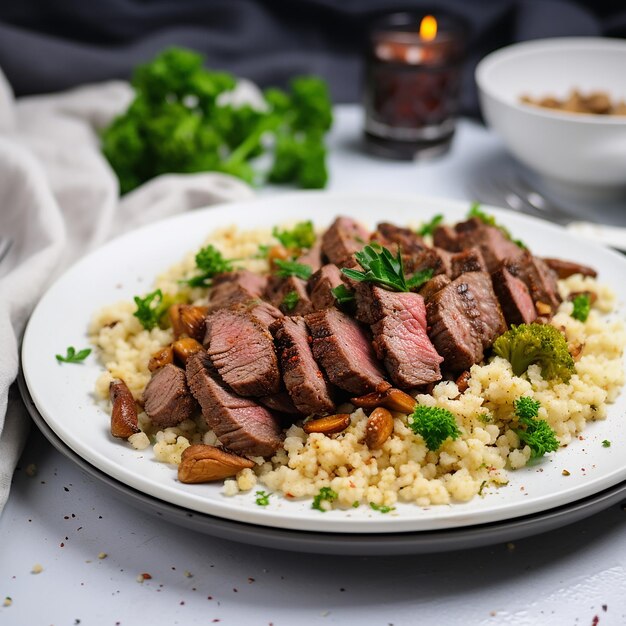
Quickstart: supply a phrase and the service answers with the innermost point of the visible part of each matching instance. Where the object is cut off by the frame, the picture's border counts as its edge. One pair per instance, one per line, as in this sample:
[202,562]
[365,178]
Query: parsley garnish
[383,268]
[482,486]
[209,262]
[150,309]
[262,252]
[490,220]
[292,268]
[582,306]
[326,494]
[434,424]
[536,434]
[300,237]
[342,294]
[262,498]
[290,300]
[356,504]
[429,227]
[606,443]
[74,357]
[382,508]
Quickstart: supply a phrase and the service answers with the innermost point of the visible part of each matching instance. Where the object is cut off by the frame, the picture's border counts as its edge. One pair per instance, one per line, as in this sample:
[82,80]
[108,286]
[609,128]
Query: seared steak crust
[306,384]
[470,260]
[242,350]
[538,277]
[321,285]
[167,400]
[436,283]
[514,298]
[394,237]
[278,288]
[233,287]
[343,238]
[241,424]
[565,269]
[341,347]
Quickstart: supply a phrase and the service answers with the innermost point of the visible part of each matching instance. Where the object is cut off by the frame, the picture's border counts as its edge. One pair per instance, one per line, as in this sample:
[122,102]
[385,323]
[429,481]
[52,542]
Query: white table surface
[62,519]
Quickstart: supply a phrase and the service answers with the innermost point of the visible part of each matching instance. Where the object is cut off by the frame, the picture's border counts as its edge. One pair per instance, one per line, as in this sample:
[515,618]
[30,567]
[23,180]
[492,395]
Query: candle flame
[428,28]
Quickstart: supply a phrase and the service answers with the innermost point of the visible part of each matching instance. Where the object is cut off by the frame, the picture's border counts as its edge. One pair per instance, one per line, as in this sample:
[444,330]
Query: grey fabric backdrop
[47,45]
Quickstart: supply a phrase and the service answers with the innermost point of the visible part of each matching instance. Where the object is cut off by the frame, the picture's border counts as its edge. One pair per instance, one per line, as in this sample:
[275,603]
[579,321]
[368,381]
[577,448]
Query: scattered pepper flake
[37,569]
[144,576]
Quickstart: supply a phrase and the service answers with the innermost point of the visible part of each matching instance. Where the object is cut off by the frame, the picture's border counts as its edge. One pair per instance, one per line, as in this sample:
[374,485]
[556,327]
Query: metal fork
[5,246]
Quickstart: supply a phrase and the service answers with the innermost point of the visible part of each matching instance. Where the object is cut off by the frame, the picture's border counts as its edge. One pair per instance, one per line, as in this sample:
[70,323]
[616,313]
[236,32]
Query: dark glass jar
[412,84]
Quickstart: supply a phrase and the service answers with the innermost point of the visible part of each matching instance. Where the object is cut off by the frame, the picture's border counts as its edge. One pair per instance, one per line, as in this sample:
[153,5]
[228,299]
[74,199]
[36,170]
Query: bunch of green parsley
[177,123]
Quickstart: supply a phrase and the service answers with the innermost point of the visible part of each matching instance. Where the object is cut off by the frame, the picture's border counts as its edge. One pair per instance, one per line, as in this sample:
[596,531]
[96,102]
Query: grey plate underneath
[337,543]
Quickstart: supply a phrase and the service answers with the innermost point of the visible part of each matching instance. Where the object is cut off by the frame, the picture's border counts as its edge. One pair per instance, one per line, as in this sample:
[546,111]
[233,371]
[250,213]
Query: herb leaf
[526,407]
[300,237]
[326,494]
[262,498]
[606,443]
[382,508]
[209,262]
[536,433]
[74,357]
[342,294]
[290,301]
[429,227]
[149,309]
[419,278]
[292,268]
[582,307]
[434,424]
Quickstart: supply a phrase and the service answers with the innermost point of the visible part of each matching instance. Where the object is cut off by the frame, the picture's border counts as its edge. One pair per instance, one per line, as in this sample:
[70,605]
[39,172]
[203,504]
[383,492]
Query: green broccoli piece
[526,407]
[535,433]
[582,306]
[434,424]
[542,344]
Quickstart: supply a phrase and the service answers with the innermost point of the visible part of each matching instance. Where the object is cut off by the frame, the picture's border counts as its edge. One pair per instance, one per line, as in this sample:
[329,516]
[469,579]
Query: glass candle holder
[412,81]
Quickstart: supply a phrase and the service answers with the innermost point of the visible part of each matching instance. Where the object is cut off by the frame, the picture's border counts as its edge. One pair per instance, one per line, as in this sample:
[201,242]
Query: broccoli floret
[434,424]
[582,306]
[535,433]
[542,344]
[526,407]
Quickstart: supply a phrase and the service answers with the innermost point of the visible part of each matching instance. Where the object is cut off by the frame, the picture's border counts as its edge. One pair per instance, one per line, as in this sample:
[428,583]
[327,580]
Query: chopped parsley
[292,268]
[209,263]
[342,294]
[262,251]
[526,407]
[382,268]
[535,433]
[482,486]
[290,301]
[150,309]
[382,508]
[434,425]
[74,357]
[428,228]
[582,306]
[356,504]
[606,443]
[300,237]
[262,498]
[326,494]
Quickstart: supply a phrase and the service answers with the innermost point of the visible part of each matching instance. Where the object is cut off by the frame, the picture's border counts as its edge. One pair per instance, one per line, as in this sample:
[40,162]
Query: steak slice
[493,243]
[313,256]
[394,237]
[470,260]
[343,238]
[264,312]
[305,383]
[446,237]
[342,348]
[241,424]
[429,289]
[233,287]
[280,402]
[435,259]
[538,277]
[166,398]
[398,323]
[514,297]
[464,319]
[565,269]
[321,285]
[242,350]
[279,288]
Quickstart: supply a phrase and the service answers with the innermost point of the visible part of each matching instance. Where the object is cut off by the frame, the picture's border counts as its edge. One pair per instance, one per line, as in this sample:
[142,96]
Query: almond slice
[378,428]
[328,425]
[203,463]
[124,413]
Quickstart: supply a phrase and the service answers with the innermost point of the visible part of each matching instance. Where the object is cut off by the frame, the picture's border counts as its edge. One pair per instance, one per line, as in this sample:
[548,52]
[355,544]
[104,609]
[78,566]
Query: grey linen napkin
[58,200]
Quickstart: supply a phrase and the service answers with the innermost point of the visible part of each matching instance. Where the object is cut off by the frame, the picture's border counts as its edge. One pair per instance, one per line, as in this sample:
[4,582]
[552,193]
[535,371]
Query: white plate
[127,266]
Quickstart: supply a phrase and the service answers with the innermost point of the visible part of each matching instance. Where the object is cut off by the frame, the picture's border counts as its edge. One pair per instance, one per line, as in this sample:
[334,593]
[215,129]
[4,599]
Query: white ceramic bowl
[579,154]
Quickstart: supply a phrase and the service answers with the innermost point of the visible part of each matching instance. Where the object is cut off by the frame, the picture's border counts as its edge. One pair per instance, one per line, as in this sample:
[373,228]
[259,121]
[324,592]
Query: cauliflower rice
[403,469]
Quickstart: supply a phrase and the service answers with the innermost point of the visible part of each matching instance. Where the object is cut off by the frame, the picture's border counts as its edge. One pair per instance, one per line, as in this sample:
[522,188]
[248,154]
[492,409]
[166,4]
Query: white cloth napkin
[58,200]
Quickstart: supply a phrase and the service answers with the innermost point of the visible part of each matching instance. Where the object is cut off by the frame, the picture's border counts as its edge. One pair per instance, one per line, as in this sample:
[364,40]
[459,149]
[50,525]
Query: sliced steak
[313,256]
[280,402]
[241,424]
[429,289]
[321,285]
[343,238]
[233,287]
[394,237]
[305,383]
[464,319]
[446,237]
[538,277]
[278,289]
[565,269]
[493,243]
[264,312]
[242,350]
[166,398]
[470,260]
[343,349]
[514,297]
[398,323]
[436,259]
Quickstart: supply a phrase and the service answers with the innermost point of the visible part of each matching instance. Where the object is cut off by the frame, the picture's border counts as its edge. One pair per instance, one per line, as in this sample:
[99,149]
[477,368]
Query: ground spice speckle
[8,601]
[565,473]
[102,555]
[604,607]
[188,574]
[36,569]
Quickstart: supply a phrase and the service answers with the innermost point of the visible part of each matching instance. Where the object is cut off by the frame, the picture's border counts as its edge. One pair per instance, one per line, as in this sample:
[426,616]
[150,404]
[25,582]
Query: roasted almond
[369,400]
[277,252]
[202,464]
[124,412]
[328,425]
[174,314]
[161,358]
[192,321]
[543,308]
[378,428]
[462,382]
[397,400]
[184,348]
